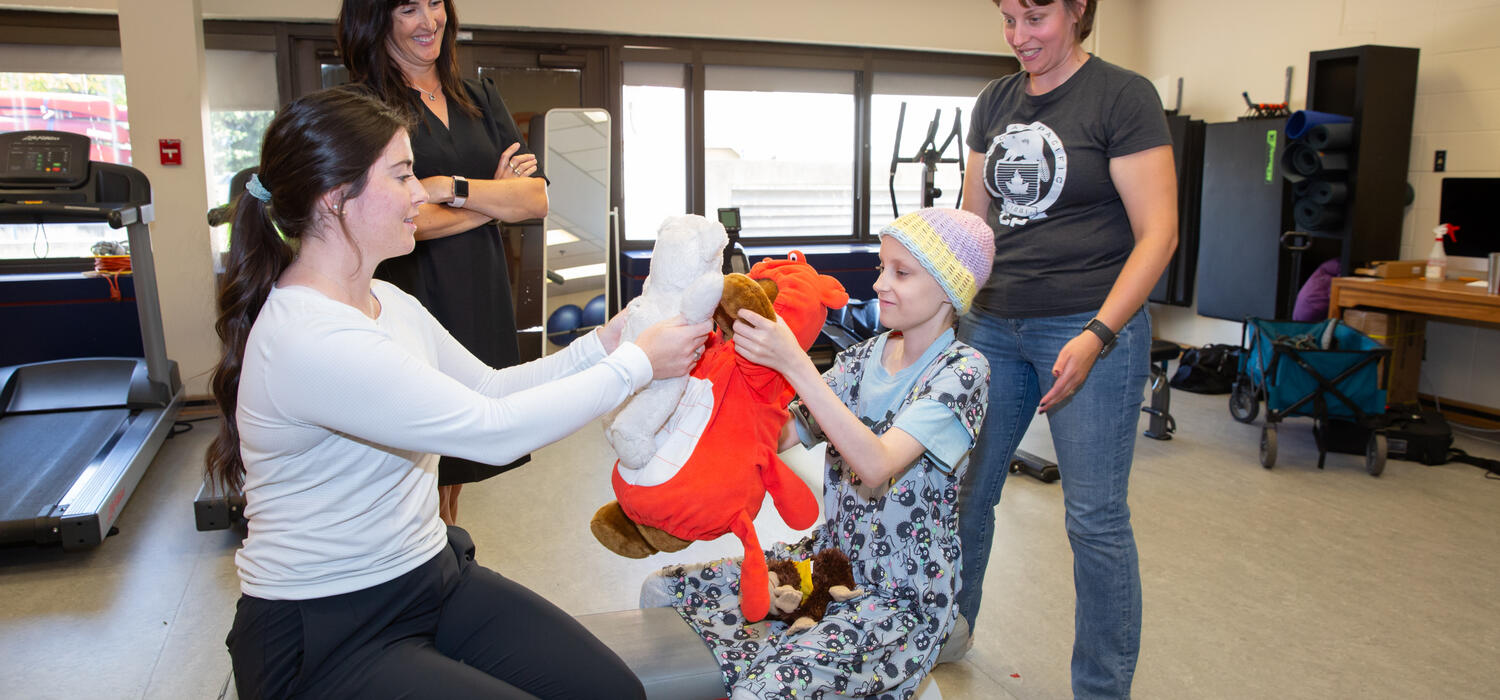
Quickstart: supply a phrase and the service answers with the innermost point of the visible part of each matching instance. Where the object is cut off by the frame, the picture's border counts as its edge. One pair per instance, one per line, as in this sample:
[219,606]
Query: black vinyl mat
[42,454]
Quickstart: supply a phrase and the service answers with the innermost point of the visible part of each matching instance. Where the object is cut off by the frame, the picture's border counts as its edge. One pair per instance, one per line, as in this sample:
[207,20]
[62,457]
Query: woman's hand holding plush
[610,332]
[673,346]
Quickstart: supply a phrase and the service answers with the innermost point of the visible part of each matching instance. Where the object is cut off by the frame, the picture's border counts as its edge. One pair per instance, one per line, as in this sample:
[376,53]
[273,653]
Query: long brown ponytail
[317,143]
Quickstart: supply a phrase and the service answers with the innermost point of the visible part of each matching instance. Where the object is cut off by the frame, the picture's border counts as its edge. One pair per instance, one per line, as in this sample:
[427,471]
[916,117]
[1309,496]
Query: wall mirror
[575,153]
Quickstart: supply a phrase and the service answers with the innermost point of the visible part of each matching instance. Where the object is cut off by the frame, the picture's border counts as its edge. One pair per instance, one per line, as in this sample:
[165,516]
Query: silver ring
[515,170]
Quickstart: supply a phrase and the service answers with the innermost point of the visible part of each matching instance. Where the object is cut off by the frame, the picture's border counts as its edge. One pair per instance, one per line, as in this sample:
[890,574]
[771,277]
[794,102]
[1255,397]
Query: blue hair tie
[256,189]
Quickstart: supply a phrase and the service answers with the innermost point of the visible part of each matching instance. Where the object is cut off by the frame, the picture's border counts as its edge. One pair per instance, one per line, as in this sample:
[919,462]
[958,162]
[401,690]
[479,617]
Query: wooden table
[1450,299]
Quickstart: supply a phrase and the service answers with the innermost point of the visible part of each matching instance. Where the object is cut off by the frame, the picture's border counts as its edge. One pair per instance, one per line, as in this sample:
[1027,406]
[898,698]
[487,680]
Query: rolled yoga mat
[1289,163]
[1330,137]
[1311,216]
[1302,120]
[1324,192]
[1310,162]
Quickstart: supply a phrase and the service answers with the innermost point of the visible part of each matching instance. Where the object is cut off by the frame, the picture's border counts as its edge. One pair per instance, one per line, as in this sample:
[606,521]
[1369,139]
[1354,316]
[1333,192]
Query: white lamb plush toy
[686,278]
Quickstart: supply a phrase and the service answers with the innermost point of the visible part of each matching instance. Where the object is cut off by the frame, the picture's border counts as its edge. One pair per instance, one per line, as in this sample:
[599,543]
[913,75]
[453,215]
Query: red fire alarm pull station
[171,151]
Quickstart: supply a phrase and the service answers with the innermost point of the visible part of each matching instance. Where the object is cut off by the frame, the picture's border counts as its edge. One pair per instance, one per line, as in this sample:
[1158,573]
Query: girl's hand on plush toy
[673,346]
[769,343]
[610,332]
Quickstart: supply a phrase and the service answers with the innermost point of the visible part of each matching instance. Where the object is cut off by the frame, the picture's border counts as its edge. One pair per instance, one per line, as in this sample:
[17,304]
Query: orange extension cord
[110,267]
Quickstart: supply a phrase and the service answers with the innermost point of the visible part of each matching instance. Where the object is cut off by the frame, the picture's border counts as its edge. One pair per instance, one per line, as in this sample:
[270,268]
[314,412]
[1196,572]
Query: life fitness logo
[1021,173]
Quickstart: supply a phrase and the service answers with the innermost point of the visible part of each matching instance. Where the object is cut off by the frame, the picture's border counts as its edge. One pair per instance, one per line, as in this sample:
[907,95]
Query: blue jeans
[1094,435]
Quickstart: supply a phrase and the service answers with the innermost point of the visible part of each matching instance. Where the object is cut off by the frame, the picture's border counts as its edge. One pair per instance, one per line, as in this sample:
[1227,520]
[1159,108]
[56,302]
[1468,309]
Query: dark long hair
[320,142]
[363,28]
[1085,20]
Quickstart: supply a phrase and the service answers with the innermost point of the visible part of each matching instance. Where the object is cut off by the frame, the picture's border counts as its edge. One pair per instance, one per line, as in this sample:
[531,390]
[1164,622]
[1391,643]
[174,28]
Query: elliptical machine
[929,155]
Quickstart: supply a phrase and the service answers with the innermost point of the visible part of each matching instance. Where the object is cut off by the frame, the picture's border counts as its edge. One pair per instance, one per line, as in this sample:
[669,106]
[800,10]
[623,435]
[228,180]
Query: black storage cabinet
[1176,284]
[1245,268]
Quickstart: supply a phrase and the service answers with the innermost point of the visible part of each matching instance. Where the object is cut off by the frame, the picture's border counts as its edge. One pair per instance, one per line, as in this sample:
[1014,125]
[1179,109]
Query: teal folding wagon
[1323,370]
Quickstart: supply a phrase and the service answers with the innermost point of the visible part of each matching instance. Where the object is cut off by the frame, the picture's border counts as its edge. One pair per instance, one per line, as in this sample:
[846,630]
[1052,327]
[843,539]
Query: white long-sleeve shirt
[341,418]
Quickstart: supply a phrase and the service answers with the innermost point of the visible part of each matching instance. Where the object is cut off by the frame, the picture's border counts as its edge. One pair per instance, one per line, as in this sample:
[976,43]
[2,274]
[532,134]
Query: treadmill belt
[45,453]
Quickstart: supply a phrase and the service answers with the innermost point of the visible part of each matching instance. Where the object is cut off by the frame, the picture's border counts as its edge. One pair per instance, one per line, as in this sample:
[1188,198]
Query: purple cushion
[1312,299]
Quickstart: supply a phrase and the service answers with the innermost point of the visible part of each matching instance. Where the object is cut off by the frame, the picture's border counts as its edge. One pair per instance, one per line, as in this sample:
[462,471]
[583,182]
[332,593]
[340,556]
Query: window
[242,101]
[927,98]
[82,90]
[58,88]
[779,145]
[654,149]
[788,135]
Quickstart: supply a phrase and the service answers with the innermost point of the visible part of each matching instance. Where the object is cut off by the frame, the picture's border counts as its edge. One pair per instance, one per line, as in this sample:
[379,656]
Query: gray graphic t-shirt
[1061,234]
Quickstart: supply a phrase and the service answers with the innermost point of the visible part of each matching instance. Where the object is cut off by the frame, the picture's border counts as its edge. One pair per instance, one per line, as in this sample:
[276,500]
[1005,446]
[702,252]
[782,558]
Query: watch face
[460,188]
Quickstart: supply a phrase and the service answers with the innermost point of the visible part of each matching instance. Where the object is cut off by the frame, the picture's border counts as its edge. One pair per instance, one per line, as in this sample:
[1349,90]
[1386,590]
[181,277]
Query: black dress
[462,279]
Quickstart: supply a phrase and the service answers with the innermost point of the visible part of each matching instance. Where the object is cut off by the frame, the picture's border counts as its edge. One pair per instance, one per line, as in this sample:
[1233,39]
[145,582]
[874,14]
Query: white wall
[971,26]
[1248,49]
[955,25]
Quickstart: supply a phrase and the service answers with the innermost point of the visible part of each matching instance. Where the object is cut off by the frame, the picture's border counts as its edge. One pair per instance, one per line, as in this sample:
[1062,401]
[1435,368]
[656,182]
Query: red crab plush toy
[716,457]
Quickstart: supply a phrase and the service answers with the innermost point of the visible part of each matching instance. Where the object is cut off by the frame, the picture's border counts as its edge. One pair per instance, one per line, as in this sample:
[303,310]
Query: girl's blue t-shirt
[930,422]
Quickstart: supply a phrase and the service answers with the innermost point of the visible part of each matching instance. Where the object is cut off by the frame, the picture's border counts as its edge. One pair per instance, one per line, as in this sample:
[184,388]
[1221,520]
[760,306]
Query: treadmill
[76,435]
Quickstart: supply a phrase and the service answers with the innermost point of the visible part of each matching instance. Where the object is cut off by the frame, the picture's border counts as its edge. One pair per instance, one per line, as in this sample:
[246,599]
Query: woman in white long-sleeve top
[338,392]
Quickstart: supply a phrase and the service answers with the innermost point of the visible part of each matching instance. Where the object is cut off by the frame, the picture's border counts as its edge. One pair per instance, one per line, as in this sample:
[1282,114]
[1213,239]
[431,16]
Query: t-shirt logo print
[1020,174]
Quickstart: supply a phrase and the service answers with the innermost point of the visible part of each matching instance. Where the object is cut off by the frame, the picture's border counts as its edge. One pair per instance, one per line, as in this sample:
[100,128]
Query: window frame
[696,54]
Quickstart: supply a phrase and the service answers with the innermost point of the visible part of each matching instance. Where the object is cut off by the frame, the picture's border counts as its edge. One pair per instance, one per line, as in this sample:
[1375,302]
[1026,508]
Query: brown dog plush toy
[802,590]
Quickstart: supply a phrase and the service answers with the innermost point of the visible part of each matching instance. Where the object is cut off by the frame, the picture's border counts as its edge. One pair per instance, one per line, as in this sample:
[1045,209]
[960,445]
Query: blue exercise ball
[562,325]
[594,312]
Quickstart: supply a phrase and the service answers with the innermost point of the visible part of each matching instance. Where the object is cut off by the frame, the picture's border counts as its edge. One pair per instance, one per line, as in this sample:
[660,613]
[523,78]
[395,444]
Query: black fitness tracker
[460,191]
[1106,335]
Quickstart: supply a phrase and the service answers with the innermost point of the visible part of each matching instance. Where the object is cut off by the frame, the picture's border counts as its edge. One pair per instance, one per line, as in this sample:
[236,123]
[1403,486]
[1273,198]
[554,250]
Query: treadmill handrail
[116,215]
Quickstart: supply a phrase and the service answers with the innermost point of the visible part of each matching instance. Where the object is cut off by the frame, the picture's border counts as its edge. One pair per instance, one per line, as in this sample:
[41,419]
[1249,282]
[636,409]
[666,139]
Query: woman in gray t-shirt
[1071,163]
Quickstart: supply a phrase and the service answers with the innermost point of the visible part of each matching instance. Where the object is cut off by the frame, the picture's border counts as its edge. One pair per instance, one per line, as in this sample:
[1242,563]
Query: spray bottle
[1437,260]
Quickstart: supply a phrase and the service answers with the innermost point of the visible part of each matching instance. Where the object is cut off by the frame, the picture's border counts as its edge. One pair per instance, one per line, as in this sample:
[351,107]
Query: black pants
[448,629]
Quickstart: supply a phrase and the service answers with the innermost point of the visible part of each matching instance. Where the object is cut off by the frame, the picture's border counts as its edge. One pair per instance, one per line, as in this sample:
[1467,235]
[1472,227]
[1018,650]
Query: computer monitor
[1469,203]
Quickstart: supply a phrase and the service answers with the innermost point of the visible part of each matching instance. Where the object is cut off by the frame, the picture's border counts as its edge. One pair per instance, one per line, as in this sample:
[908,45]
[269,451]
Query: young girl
[900,412]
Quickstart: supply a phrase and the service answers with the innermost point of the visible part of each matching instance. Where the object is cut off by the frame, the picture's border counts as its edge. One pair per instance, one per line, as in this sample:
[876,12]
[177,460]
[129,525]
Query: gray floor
[1289,583]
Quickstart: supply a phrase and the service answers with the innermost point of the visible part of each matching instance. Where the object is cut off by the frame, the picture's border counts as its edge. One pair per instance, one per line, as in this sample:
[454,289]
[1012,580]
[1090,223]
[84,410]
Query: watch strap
[460,191]
[1101,330]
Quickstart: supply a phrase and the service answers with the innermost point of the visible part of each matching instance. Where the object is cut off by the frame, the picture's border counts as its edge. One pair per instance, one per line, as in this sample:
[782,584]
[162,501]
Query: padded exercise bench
[671,660]
[1162,424]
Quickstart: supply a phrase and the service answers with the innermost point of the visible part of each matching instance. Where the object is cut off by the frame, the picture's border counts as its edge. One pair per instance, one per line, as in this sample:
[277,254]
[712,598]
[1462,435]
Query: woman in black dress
[476,169]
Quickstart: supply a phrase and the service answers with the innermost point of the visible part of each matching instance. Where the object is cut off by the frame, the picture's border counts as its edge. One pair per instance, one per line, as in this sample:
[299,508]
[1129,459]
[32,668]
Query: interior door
[316,65]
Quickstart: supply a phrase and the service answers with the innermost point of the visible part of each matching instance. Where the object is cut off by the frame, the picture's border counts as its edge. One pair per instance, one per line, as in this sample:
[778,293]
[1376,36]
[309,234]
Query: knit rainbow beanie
[956,246]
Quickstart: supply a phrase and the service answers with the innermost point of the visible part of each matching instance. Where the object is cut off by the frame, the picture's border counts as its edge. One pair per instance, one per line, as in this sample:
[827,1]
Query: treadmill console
[45,158]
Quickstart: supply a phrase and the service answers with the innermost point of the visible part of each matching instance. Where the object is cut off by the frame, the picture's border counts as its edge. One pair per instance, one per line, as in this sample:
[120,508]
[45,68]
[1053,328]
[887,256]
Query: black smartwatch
[1106,335]
[460,191]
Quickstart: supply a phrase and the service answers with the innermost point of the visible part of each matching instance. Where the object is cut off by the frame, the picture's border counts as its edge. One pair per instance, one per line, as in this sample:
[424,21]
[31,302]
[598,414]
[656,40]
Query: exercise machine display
[734,253]
[76,435]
